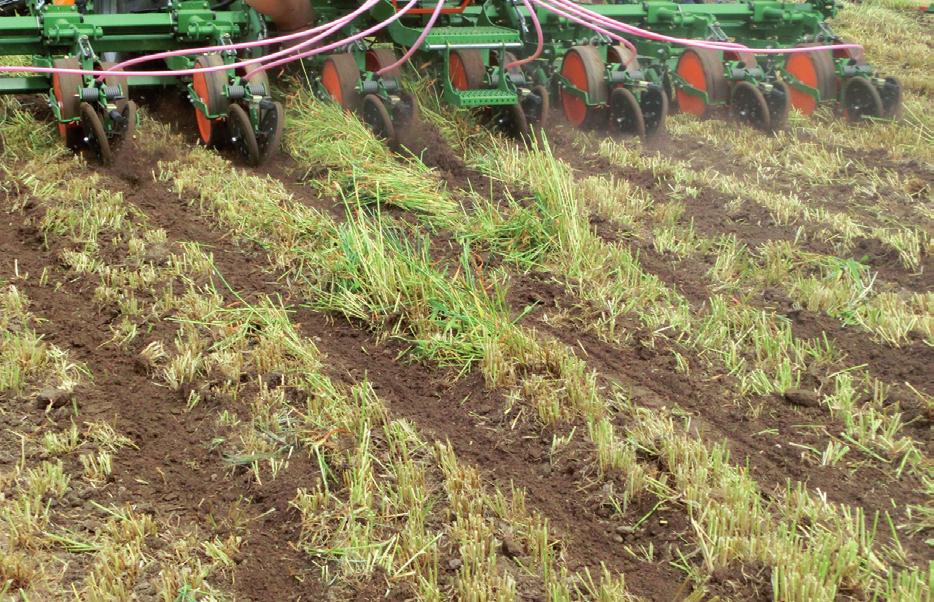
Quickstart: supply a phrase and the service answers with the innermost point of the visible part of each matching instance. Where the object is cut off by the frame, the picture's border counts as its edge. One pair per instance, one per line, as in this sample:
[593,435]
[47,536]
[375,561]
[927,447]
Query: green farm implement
[620,66]
[70,44]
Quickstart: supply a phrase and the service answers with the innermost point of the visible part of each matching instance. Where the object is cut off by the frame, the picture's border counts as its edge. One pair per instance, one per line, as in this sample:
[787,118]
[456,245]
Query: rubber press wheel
[582,67]
[625,113]
[271,125]
[814,69]
[891,94]
[94,134]
[861,100]
[654,104]
[702,69]
[125,127]
[376,115]
[747,103]
[241,133]
[466,69]
[778,100]
[65,89]
[339,76]
[210,89]
[537,106]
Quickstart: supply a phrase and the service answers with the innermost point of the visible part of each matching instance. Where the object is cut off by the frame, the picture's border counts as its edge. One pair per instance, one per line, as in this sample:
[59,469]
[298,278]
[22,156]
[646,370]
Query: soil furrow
[172,472]
[463,411]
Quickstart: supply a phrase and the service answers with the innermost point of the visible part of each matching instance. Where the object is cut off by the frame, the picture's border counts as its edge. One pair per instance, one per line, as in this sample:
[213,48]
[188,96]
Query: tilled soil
[174,474]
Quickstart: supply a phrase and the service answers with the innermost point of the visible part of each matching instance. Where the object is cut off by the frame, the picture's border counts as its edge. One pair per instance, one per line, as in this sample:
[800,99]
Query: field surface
[696,368]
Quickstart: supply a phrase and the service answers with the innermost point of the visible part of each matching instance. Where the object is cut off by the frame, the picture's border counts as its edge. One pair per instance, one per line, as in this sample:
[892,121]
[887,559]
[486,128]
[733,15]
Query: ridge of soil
[171,472]
[430,398]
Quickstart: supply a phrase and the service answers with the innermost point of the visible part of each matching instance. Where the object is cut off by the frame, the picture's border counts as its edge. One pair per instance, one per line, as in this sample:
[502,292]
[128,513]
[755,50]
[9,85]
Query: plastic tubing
[418,41]
[332,46]
[327,28]
[725,46]
[538,34]
[586,23]
[331,27]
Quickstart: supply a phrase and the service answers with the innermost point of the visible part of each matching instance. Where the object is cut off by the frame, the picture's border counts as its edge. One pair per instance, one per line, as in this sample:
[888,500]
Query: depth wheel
[814,69]
[778,100]
[891,93]
[625,113]
[537,106]
[466,69]
[124,127]
[271,125]
[405,112]
[702,69]
[210,89]
[747,103]
[512,121]
[65,89]
[94,134]
[861,100]
[654,104]
[624,56]
[339,76]
[377,58]
[376,116]
[241,133]
[582,67]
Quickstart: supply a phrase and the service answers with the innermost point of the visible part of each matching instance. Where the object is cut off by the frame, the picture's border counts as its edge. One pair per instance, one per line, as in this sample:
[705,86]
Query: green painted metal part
[51,32]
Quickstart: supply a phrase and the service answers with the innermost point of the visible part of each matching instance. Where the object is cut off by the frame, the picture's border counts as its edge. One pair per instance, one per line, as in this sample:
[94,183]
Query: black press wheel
[626,114]
[654,104]
[861,100]
[537,105]
[376,115]
[747,103]
[271,124]
[405,111]
[891,95]
[94,134]
[778,99]
[241,133]
[124,124]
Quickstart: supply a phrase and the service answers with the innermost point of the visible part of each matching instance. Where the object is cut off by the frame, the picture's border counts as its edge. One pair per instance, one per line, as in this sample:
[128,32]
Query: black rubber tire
[625,113]
[474,68]
[215,100]
[375,114]
[95,135]
[891,94]
[861,100]
[654,104]
[339,75]
[747,104]
[597,88]
[377,58]
[271,126]
[242,136]
[779,103]
[65,88]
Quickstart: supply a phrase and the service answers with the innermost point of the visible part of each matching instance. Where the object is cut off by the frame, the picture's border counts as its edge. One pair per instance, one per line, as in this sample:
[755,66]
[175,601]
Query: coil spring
[89,94]
[236,92]
[112,92]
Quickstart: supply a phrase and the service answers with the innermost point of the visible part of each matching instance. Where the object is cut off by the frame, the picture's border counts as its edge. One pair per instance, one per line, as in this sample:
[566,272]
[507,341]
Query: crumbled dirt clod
[802,397]
[512,548]
[52,398]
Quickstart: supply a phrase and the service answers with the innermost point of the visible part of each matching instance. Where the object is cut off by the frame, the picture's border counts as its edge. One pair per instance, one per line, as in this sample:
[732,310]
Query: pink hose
[538,33]
[332,46]
[580,21]
[418,41]
[333,26]
[327,28]
[642,33]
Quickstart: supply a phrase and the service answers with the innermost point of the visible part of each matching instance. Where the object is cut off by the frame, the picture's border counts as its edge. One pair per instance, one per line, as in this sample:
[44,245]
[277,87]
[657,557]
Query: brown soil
[172,473]
[433,399]
[752,224]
